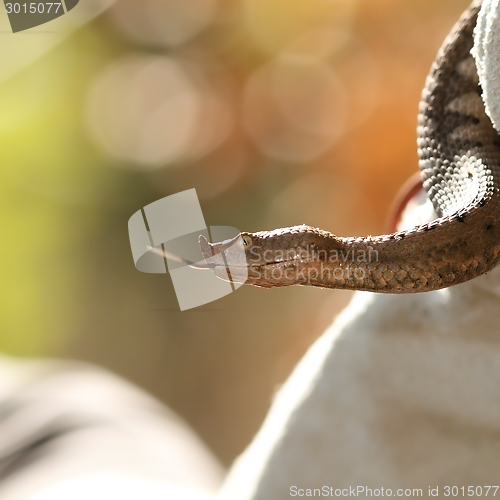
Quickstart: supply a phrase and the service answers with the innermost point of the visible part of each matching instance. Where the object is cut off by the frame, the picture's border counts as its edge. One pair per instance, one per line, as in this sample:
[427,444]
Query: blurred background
[278,112]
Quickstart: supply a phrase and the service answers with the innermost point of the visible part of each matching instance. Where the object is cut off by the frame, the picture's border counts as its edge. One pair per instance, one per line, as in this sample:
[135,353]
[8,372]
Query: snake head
[241,259]
[267,258]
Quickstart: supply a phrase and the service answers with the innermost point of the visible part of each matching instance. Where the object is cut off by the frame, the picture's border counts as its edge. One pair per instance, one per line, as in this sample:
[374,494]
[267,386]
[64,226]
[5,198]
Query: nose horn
[205,247]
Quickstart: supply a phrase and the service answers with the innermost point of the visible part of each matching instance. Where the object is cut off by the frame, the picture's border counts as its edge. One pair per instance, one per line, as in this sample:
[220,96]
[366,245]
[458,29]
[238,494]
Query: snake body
[459,152]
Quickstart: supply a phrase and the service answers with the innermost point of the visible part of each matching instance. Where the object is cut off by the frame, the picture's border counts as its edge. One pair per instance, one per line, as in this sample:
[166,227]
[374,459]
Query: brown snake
[459,153]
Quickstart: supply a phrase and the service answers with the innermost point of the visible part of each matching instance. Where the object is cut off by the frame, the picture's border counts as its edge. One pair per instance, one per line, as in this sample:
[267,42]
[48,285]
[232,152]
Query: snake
[459,160]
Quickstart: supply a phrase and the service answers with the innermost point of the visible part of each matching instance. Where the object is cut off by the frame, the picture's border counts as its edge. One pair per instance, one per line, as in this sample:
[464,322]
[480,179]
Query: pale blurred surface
[70,430]
[278,112]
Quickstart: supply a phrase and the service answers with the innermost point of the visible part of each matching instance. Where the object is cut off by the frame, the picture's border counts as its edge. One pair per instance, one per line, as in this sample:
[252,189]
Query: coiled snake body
[459,153]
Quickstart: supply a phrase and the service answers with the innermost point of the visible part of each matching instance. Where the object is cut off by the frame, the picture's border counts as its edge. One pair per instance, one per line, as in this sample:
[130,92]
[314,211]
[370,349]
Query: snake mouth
[230,262]
[227,253]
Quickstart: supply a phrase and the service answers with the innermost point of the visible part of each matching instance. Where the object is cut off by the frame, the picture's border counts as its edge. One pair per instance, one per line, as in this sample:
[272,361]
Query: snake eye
[247,241]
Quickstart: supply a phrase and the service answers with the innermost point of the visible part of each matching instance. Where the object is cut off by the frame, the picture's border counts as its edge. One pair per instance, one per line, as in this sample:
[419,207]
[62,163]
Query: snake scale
[459,158]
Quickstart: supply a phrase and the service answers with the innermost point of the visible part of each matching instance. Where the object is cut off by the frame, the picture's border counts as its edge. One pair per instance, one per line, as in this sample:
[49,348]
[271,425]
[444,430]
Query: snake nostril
[489,227]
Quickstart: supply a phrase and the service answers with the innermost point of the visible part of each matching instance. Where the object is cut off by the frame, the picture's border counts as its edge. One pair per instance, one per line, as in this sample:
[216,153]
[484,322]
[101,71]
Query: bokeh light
[148,111]
[277,25]
[168,23]
[144,109]
[294,108]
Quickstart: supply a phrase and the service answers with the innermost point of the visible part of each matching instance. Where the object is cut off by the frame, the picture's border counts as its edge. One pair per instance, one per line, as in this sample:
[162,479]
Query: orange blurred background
[278,112]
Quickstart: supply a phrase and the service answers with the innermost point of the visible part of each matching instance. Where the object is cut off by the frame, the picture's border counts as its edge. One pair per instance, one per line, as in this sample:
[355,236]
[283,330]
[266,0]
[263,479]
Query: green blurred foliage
[53,188]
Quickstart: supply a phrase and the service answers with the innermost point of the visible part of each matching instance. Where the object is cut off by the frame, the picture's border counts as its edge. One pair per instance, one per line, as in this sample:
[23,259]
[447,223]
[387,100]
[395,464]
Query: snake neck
[393,263]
